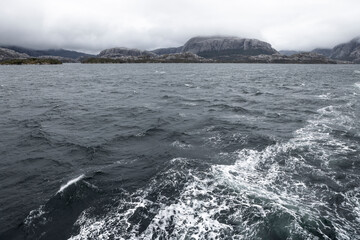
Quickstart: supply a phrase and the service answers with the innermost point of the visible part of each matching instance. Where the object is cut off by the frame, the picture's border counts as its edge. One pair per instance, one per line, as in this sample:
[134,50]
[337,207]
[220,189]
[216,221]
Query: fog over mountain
[91,26]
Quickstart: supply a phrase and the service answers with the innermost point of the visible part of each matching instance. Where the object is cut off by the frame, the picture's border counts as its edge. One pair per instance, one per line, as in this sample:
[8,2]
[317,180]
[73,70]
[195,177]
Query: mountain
[50,52]
[220,46]
[123,52]
[349,51]
[210,49]
[217,48]
[11,54]
[323,51]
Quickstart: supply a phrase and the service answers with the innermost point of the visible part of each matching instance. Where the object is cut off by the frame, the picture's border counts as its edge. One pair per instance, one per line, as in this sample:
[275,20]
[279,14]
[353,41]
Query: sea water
[180,151]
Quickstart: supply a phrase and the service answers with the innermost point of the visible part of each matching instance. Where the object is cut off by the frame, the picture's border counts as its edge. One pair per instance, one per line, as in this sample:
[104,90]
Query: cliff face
[347,51]
[11,54]
[213,47]
[123,52]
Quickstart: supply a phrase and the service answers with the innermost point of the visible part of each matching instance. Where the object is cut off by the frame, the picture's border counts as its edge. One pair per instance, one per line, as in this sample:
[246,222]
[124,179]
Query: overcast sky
[91,26]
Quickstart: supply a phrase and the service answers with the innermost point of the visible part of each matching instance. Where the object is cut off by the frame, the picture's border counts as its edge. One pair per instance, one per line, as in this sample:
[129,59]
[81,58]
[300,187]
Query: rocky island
[214,49]
[11,57]
[14,55]
[203,49]
[186,57]
[31,61]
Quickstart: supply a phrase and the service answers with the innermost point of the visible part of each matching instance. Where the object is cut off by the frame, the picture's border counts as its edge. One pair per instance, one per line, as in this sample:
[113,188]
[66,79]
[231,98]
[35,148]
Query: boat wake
[287,190]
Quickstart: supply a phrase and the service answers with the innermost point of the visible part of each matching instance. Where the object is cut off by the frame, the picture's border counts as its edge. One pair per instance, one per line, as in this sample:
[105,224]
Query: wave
[55,218]
[181,145]
[70,182]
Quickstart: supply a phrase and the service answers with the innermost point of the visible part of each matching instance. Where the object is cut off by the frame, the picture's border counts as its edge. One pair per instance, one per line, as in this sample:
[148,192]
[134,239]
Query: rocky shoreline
[31,61]
[301,58]
[214,49]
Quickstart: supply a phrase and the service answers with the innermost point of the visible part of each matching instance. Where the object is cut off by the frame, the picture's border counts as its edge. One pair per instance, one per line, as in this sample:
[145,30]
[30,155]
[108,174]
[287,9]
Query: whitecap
[190,104]
[70,182]
[181,145]
[324,96]
[35,214]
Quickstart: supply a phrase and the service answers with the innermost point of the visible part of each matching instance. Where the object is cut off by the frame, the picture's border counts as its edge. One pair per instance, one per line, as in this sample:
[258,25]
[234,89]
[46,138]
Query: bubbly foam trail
[70,182]
[262,190]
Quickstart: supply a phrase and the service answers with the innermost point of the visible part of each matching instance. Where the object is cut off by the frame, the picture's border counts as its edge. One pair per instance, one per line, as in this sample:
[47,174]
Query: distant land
[62,55]
[203,49]
[31,61]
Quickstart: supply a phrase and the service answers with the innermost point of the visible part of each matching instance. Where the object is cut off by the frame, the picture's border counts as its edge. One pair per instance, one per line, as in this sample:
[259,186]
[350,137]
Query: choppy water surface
[180,151]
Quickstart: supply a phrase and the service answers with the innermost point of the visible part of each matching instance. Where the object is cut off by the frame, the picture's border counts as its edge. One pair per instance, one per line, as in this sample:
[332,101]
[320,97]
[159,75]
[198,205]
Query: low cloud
[91,26]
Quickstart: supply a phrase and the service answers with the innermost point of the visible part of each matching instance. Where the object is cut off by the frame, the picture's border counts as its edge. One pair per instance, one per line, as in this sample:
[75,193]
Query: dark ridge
[36,61]
[49,52]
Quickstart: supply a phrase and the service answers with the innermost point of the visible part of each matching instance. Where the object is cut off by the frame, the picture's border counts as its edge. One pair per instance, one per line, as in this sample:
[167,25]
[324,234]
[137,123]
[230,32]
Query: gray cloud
[91,26]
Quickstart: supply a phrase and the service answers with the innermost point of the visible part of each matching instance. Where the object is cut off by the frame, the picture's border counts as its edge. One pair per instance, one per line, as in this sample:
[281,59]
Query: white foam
[181,145]
[70,182]
[248,177]
[35,214]
[324,96]
[257,184]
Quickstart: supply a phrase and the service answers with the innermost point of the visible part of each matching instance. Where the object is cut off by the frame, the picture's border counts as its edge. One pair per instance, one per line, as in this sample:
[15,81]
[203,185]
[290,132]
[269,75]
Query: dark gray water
[180,151]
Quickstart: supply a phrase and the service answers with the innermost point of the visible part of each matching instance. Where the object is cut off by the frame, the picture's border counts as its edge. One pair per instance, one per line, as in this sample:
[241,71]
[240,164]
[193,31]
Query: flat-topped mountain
[212,47]
[199,50]
[209,49]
